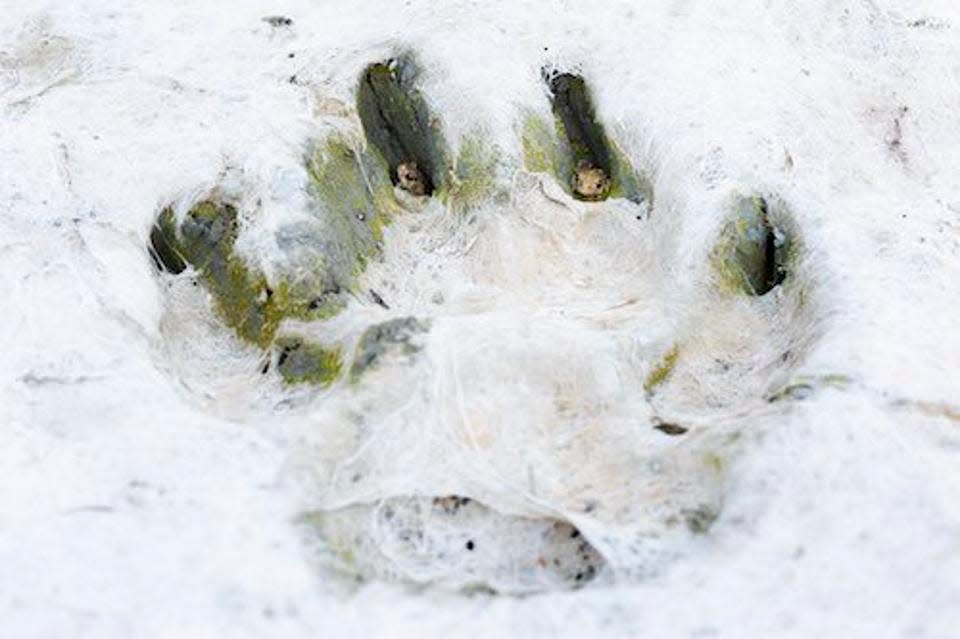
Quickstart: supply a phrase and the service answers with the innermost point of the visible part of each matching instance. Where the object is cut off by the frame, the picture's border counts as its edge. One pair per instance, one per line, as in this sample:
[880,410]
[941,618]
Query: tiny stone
[410,179]
[591,182]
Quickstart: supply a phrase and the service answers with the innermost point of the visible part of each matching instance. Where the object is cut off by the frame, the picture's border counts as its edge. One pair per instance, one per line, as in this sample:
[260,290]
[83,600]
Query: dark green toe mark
[300,362]
[751,255]
[381,338]
[397,123]
[243,298]
[587,163]
[591,158]
[164,245]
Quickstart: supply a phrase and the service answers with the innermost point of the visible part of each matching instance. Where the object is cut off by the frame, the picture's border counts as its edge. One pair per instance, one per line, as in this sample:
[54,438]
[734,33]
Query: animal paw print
[527,345]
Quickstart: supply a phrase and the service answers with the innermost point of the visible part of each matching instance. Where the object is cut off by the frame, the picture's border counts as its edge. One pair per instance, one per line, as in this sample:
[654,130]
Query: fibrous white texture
[154,483]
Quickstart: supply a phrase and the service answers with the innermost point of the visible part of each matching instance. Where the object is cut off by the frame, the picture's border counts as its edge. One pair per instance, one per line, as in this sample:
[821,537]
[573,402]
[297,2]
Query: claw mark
[396,122]
[591,155]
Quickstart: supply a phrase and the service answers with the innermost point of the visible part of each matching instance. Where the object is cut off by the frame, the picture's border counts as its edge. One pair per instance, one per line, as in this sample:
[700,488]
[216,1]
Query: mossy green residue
[539,146]
[474,172]
[626,182]
[564,159]
[302,362]
[835,380]
[803,386]
[353,191]
[243,297]
[355,201]
[307,299]
[205,240]
[750,256]
[659,374]
[546,150]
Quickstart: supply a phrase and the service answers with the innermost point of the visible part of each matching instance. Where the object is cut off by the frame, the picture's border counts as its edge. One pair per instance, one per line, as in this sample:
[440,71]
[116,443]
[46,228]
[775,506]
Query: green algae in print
[662,370]
[205,240]
[805,386]
[398,124]
[540,152]
[474,174]
[243,297]
[353,200]
[751,253]
[303,362]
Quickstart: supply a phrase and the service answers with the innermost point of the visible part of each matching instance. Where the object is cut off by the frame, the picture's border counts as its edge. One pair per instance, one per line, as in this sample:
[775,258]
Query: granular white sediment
[153,482]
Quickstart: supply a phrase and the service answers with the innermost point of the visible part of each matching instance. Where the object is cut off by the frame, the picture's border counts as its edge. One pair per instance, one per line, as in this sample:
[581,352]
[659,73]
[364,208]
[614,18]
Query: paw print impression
[504,368]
